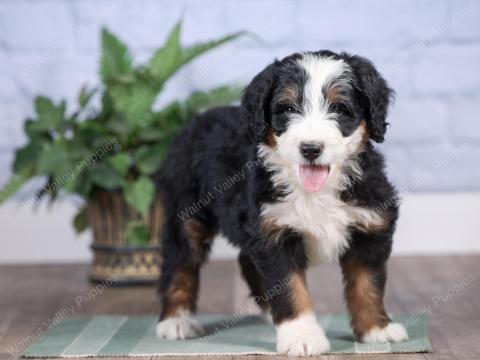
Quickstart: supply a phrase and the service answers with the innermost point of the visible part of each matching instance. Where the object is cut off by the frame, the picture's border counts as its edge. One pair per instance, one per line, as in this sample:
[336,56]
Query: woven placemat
[225,335]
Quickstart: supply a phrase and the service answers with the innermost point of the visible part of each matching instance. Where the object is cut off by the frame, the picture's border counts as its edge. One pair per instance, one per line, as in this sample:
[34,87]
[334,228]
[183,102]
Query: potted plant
[109,149]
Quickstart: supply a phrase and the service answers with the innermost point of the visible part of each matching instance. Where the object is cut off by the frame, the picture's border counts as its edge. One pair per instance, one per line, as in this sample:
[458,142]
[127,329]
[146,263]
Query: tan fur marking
[363,125]
[365,136]
[270,139]
[364,298]
[302,302]
[335,93]
[198,234]
[196,231]
[288,95]
[298,296]
[372,228]
[271,231]
[183,291]
[371,222]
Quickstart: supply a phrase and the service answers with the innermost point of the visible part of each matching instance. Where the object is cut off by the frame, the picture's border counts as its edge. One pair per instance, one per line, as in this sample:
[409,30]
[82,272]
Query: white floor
[429,224]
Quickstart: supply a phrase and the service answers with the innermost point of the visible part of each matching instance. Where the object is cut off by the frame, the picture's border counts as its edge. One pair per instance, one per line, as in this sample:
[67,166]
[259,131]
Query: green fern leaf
[177,114]
[168,58]
[13,185]
[116,59]
[133,101]
[80,221]
[219,96]
[140,194]
[196,50]
[137,234]
[50,116]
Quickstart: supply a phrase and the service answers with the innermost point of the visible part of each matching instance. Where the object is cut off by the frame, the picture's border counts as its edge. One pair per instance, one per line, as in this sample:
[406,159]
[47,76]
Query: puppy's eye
[286,109]
[340,109]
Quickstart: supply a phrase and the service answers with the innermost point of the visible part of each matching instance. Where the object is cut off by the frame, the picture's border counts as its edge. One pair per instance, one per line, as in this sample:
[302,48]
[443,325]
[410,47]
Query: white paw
[182,326]
[393,332]
[302,336]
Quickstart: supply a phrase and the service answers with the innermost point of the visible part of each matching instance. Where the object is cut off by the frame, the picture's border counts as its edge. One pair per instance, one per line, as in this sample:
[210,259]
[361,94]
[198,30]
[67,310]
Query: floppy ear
[376,96]
[256,101]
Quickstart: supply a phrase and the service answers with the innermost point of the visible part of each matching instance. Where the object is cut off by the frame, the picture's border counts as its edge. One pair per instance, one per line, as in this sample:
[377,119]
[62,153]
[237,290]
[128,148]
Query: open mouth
[314,177]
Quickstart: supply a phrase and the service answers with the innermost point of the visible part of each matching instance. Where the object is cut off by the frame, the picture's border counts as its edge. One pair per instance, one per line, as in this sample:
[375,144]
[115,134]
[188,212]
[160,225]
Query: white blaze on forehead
[321,72]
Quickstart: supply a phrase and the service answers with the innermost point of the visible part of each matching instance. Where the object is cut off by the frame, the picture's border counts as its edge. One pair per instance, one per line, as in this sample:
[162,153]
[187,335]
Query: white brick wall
[463,111]
[36,25]
[429,50]
[447,68]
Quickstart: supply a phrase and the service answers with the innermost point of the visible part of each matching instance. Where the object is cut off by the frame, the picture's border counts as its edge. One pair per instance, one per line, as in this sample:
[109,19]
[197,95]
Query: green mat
[225,335]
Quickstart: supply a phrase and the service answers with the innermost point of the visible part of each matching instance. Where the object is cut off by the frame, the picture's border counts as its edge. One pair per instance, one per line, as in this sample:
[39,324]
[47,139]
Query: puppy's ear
[256,101]
[376,96]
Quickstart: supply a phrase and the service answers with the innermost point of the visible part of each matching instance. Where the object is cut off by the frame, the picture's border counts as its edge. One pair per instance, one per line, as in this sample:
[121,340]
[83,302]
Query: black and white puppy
[290,177]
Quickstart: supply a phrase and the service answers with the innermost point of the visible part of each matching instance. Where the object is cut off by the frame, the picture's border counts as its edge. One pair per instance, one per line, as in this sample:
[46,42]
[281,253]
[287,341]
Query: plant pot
[114,260]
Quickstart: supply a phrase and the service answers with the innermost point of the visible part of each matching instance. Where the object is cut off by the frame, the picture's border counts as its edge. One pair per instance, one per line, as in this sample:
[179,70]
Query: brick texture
[427,49]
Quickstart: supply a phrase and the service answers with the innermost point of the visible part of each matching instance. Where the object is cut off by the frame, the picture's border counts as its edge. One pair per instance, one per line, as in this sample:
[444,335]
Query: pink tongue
[313,177]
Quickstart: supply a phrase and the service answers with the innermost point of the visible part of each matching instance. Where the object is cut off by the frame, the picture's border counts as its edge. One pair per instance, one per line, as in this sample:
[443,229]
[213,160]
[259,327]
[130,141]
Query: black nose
[310,151]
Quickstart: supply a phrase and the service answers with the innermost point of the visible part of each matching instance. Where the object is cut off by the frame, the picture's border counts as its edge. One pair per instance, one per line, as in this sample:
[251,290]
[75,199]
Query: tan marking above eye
[332,94]
[289,95]
[335,93]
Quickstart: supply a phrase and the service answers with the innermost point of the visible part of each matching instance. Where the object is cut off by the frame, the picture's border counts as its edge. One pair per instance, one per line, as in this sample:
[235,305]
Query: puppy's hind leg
[184,249]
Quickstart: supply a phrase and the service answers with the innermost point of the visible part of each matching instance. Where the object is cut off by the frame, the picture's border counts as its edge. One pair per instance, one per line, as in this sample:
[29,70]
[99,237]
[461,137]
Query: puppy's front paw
[302,336]
[304,344]
[393,332]
[181,326]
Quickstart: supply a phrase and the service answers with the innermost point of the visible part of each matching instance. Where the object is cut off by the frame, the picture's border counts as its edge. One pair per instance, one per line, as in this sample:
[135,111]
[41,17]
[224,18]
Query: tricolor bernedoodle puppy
[292,178]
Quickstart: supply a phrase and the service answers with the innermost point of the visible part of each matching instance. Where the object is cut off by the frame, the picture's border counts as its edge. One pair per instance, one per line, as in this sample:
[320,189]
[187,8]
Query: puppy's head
[312,113]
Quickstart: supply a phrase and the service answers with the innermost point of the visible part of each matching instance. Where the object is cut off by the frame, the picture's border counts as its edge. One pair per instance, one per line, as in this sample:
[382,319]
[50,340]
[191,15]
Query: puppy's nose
[311,151]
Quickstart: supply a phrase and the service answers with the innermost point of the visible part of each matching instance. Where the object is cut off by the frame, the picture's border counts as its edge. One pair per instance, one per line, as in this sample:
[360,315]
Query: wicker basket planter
[114,259]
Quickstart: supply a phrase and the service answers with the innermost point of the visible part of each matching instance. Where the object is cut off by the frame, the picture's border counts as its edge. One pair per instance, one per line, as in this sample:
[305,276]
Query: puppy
[290,177]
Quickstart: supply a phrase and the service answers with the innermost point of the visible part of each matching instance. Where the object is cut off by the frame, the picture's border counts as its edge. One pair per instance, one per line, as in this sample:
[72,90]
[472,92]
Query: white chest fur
[322,218]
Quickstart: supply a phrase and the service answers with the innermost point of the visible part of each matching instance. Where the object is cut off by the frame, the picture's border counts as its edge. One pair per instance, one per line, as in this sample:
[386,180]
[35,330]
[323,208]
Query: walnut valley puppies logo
[454,290]
[224,186]
[438,300]
[81,165]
